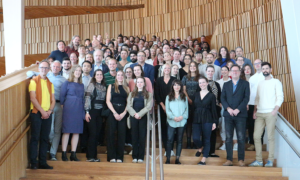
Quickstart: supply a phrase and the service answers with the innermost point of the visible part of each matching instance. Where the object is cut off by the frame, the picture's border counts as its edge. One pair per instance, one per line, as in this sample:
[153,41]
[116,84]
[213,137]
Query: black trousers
[164,129]
[213,140]
[84,136]
[94,128]
[40,130]
[171,134]
[250,124]
[116,152]
[138,134]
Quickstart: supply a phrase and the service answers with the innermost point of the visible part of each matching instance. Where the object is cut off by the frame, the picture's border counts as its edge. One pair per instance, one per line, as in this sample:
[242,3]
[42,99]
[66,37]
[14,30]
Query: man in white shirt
[253,81]
[210,61]
[176,59]
[268,100]
[66,64]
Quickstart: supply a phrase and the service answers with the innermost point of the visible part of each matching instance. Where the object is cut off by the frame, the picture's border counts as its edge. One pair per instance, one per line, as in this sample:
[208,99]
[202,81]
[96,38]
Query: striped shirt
[109,79]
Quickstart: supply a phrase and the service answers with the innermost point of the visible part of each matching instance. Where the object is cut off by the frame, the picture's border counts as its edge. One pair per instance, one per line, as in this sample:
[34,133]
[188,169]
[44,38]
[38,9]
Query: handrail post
[160,144]
[153,149]
[148,145]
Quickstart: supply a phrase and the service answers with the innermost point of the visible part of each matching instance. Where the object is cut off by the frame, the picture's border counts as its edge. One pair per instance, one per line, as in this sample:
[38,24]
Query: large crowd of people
[103,91]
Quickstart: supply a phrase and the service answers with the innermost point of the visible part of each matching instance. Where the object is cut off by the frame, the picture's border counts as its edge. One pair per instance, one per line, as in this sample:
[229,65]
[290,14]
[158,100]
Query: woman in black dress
[158,67]
[94,100]
[187,59]
[116,100]
[216,90]
[139,103]
[190,86]
[162,89]
[205,118]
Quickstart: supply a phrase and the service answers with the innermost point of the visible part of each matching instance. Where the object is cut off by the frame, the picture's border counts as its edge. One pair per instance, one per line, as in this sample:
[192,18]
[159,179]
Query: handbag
[105,110]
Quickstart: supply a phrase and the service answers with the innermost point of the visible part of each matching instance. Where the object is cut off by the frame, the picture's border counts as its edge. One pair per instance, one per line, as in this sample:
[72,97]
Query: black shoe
[64,156]
[52,157]
[213,155]
[177,161]
[198,154]
[167,161]
[201,163]
[73,156]
[45,166]
[33,166]
[97,160]
[188,143]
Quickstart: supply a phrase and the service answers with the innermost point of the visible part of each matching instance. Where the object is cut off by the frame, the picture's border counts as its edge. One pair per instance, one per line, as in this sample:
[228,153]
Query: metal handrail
[285,137]
[153,149]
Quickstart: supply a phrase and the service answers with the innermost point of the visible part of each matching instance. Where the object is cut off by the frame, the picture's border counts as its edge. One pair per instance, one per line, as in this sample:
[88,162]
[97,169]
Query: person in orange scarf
[42,103]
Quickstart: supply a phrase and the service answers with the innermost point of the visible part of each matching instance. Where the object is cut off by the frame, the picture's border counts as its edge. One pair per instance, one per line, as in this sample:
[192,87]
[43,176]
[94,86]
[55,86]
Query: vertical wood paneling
[261,33]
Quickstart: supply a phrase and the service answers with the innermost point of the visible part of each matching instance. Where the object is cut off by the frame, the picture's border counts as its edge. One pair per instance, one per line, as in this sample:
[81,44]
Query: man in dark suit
[148,69]
[235,97]
[98,57]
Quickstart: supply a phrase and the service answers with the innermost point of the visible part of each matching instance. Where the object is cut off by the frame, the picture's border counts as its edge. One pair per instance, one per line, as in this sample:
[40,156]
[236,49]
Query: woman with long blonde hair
[71,99]
[116,100]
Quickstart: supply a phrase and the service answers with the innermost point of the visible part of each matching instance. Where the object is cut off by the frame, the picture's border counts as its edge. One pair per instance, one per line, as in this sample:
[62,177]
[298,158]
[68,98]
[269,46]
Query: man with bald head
[57,80]
[98,64]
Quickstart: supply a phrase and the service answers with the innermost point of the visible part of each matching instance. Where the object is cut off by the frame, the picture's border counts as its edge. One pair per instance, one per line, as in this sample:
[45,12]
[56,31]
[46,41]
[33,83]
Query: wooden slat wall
[164,18]
[260,31]
[14,107]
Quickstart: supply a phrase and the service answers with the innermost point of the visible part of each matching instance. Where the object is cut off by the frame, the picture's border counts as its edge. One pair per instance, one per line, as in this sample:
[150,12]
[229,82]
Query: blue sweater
[58,55]
[223,62]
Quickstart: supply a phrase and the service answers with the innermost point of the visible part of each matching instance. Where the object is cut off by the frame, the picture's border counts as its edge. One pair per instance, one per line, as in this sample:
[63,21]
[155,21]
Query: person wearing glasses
[235,97]
[148,69]
[42,104]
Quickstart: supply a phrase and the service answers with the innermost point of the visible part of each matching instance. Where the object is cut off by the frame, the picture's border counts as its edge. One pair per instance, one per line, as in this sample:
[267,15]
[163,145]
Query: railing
[153,154]
[15,142]
[287,148]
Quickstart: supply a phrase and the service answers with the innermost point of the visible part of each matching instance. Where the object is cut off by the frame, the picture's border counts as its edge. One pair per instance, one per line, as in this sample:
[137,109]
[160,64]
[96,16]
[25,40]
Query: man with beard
[210,61]
[268,100]
[66,64]
[73,46]
[133,59]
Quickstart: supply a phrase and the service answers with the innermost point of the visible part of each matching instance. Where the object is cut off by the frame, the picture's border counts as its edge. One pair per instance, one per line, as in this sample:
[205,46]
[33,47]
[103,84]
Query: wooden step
[104,170]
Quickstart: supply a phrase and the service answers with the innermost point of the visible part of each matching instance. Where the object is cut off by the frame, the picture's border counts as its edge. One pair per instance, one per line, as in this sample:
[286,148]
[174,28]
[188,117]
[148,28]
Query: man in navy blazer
[98,57]
[234,98]
[148,69]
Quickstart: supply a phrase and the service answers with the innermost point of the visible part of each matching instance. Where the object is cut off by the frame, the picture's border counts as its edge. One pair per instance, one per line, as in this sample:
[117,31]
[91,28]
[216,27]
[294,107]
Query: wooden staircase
[133,171]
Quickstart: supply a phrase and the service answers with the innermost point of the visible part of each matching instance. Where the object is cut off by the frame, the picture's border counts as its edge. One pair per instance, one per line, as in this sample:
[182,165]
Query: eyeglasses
[257,63]
[128,72]
[187,58]
[45,68]
[140,56]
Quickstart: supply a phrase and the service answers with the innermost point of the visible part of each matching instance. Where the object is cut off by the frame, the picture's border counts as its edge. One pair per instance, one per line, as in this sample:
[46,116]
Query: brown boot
[241,163]
[228,163]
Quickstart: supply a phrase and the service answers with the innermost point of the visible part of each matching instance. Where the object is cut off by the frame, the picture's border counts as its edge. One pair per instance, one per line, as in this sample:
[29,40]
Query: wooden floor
[133,171]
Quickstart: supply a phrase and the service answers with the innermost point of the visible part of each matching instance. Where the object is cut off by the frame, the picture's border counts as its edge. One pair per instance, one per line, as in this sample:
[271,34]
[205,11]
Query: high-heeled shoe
[64,156]
[73,156]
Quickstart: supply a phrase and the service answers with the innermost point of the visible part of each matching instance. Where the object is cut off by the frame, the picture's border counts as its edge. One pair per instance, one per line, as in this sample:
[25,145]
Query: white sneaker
[130,152]
[134,160]
[140,161]
[172,153]
[235,147]
[223,147]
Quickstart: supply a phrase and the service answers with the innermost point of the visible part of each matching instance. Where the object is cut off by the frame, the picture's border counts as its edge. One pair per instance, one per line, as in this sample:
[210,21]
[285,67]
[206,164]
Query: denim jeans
[239,123]
[203,130]
[170,142]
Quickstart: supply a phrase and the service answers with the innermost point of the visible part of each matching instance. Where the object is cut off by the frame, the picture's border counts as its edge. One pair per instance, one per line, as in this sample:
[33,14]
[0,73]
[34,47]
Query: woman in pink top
[138,72]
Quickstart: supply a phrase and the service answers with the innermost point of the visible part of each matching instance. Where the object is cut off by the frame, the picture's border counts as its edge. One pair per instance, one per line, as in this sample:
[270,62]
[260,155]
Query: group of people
[108,88]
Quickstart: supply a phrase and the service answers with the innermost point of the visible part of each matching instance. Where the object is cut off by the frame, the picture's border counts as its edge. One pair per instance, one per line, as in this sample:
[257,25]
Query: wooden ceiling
[34,12]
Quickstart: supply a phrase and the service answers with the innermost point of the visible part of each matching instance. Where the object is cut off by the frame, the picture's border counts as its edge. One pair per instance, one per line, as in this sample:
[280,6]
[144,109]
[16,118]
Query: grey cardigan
[147,102]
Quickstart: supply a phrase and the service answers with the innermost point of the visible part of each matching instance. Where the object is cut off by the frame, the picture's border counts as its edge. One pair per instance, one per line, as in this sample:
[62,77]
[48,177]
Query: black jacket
[237,99]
